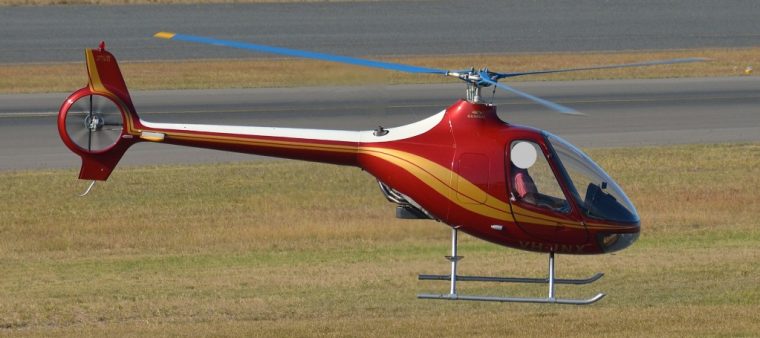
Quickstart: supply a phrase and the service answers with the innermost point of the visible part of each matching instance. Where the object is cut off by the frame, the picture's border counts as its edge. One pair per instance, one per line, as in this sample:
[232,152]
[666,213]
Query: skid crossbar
[551,280]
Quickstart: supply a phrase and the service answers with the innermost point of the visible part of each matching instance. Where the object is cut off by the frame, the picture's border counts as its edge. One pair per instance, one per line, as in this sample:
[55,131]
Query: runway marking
[28,114]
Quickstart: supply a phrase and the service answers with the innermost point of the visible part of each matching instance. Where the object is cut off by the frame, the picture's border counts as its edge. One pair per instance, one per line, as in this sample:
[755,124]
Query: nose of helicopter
[611,242]
[619,214]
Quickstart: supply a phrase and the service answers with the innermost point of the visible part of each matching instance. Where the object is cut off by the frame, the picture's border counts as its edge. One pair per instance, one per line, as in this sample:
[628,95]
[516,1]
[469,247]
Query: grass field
[298,249]
[268,73]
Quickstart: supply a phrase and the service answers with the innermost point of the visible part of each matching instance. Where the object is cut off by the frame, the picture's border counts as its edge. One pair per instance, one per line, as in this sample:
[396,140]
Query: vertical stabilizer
[98,122]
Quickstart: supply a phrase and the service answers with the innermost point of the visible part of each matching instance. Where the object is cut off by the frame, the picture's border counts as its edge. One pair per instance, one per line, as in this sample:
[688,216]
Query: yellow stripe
[265,143]
[518,210]
[544,221]
[443,174]
[95,84]
[437,177]
[432,174]
[164,35]
[525,215]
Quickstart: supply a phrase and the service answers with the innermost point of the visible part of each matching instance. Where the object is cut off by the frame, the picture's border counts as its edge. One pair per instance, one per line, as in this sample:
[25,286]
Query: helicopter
[515,186]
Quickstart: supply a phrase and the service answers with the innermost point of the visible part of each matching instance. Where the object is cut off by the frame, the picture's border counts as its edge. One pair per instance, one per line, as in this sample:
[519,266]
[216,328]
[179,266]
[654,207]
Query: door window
[532,180]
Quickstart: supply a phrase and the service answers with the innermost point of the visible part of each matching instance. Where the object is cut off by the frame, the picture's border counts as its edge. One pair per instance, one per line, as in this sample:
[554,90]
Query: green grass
[301,249]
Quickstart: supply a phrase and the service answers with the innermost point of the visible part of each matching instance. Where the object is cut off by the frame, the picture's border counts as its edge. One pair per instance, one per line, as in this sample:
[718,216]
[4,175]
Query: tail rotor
[98,122]
[94,123]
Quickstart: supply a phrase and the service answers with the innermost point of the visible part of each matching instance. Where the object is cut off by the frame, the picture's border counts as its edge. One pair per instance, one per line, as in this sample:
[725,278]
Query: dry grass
[299,249]
[35,78]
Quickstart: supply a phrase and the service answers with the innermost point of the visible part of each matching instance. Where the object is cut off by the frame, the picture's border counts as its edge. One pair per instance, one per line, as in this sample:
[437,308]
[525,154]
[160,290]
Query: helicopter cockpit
[551,177]
[597,194]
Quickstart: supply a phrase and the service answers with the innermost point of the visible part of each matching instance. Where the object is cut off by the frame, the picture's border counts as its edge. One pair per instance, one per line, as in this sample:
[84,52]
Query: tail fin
[105,76]
[99,122]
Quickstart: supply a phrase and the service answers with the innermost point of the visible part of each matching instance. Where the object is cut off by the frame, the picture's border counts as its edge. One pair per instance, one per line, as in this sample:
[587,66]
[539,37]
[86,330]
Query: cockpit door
[540,205]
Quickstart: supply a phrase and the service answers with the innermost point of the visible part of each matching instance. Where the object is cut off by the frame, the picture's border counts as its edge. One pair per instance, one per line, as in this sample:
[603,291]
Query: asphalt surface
[59,33]
[620,113]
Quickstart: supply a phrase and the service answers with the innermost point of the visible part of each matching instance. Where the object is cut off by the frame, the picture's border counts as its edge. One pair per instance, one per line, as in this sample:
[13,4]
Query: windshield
[597,194]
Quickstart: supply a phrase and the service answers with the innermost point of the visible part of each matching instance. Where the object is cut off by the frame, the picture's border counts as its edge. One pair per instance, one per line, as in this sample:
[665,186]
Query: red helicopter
[515,186]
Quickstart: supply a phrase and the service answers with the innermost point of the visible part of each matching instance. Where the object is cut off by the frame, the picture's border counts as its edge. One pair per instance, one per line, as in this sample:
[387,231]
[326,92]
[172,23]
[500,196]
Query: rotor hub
[94,122]
[475,81]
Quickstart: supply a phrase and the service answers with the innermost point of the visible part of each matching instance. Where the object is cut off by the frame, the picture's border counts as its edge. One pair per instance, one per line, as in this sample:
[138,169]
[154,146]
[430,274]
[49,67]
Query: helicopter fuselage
[453,166]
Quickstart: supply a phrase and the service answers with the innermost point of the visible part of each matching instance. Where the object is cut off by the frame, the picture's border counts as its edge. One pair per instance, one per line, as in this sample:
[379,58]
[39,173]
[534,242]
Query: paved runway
[59,33]
[620,113]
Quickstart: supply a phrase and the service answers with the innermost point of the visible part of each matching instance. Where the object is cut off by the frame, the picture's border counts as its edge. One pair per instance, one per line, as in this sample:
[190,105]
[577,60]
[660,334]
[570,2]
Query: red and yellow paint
[427,167]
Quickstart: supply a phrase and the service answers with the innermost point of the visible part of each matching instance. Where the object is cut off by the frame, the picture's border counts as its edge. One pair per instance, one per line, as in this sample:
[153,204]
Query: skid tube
[551,280]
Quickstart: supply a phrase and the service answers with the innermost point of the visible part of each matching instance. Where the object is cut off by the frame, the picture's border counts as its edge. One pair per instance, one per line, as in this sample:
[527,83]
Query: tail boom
[99,123]
[326,146]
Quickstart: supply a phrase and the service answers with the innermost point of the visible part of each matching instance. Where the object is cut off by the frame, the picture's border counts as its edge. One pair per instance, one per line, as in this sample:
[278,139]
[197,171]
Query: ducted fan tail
[98,122]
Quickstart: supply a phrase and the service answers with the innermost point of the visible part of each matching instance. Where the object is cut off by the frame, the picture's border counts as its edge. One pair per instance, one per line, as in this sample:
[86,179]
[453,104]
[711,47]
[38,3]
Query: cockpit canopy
[595,193]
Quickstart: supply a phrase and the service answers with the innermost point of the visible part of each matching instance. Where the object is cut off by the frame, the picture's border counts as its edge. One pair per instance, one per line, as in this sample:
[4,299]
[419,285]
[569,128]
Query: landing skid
[551,280]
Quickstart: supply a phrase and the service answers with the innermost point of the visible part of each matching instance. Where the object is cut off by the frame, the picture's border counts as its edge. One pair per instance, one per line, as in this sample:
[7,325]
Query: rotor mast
[474,82]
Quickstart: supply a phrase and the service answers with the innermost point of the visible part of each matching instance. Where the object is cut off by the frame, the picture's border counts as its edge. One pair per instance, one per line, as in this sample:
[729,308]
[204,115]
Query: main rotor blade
[624,65]
[300,53]
[546,103]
